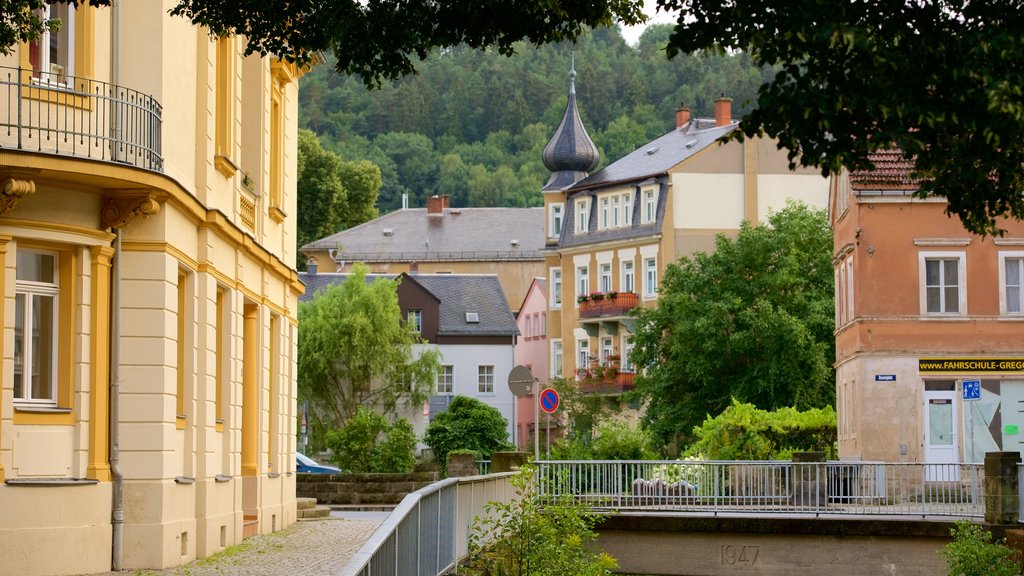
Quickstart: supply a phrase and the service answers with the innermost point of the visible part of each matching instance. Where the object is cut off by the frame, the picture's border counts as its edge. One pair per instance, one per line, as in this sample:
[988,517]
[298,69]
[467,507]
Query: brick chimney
[682,116]
[437,204]
[723,111]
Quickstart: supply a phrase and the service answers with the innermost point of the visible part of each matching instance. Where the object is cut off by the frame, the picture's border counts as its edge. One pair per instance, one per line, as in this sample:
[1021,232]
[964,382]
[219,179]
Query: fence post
[1002,498]
[508,461]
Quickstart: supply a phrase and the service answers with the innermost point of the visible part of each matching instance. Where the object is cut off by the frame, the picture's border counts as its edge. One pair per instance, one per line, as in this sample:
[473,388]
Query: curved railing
[428,533]
[53,113]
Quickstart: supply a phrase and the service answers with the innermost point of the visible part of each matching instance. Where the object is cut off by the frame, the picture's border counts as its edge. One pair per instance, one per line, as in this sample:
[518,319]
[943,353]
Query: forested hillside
[472,124]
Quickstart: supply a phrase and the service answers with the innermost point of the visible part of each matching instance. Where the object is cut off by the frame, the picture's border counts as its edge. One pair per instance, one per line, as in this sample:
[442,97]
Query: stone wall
[361,489]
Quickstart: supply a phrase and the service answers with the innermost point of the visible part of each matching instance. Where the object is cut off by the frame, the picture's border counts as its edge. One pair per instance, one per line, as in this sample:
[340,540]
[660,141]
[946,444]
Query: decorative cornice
[119,210]
[12,189]
[942,241]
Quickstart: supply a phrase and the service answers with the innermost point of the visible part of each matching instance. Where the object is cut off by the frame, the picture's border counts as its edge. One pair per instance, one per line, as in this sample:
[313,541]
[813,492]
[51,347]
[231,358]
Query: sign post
[548,402]
[972,391]
[522,383]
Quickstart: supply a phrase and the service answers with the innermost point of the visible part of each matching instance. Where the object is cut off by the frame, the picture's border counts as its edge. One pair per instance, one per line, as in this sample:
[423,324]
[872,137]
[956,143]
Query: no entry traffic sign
[549,400]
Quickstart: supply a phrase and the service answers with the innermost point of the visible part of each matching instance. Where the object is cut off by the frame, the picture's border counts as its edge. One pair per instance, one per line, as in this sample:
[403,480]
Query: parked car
[307,464]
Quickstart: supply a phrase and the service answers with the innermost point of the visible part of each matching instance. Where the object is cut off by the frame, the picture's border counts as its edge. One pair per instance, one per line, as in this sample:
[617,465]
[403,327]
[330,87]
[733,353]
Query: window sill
[225,166]
[277,215]
[184,480]
[43,415]
[51,482]
[31,409]
[222,478]
[55,93]
[273,475]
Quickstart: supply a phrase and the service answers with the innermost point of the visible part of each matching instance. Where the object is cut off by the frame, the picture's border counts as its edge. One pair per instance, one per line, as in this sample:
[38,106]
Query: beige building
[147,382]
[610,235]
[929,325]
[440,239]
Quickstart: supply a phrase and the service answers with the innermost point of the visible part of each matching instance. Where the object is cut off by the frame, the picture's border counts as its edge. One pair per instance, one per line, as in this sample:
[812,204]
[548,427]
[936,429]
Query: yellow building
[611,234]
[147,383]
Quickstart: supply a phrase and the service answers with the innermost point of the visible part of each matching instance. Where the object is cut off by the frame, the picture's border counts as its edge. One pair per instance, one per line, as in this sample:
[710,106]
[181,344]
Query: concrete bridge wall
[692,546]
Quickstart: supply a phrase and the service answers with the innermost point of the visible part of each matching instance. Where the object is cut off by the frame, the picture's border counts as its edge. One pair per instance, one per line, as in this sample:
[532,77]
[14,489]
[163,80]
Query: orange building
[929,324]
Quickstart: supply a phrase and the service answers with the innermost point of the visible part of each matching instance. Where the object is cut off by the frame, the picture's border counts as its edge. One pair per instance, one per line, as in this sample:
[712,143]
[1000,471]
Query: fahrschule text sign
[927,365]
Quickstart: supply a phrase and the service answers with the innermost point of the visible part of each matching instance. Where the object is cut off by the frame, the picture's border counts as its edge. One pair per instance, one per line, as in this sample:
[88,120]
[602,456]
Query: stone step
[316,512]
[305,503]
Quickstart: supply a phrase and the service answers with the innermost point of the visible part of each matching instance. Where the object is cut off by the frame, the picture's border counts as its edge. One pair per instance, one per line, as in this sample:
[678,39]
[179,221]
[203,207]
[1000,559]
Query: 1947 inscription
[732,555]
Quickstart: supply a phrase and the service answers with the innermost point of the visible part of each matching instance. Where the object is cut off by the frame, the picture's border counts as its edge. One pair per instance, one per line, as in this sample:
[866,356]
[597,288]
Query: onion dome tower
[570,155]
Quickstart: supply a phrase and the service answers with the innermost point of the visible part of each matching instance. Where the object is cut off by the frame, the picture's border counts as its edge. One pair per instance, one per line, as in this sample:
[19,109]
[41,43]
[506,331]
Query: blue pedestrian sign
[549,400]
[972,389]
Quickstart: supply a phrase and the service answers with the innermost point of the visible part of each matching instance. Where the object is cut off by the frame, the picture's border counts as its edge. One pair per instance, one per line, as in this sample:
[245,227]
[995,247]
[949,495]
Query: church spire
[570,154]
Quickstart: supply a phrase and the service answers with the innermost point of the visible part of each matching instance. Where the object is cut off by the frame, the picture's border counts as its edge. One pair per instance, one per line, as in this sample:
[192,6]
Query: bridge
[701,518]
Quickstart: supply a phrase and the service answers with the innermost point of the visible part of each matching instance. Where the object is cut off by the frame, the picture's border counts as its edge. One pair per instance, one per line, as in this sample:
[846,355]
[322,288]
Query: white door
[940,442]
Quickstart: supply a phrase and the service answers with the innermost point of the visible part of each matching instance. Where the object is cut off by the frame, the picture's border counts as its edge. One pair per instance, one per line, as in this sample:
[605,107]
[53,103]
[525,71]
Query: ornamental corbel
[12,190]
[120,210]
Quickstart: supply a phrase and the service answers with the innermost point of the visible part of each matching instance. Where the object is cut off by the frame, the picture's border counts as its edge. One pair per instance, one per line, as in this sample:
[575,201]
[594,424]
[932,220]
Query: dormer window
[555,220]
[472,317]
[582,214]
[650,206]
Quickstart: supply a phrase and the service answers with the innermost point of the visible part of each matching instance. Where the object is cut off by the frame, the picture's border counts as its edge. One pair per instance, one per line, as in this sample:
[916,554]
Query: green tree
[368,442]
[332,194]
[754,320]
[356,350]
[744,432]
[940,80]
[467,424]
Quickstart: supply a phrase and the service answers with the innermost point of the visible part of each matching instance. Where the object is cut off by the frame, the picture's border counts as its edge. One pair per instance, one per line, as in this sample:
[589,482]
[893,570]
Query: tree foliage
[939,79]
[753,321]
[370,443]
[382,39]
[467,424]
[332,194]
[973,553]
[21,21]
[356,350]
[744,432]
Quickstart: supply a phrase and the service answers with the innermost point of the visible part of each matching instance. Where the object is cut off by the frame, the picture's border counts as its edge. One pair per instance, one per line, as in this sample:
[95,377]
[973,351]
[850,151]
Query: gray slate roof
[460,234]
[462,293]
[659,155]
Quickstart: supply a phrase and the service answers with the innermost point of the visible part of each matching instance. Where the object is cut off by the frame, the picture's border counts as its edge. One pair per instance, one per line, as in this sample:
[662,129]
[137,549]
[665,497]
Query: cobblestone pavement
[317,548]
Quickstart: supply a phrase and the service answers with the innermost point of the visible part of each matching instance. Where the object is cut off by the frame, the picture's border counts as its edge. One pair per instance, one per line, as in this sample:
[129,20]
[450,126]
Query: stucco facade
[610,235]
[146,231]
[532,352]
[912,285]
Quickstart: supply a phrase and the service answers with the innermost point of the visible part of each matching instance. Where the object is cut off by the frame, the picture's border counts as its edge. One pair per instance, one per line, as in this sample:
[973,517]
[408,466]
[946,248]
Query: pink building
[531,351]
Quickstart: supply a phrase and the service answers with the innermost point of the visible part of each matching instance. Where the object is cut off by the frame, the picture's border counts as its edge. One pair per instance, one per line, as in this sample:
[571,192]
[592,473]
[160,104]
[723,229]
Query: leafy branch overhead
[942,80]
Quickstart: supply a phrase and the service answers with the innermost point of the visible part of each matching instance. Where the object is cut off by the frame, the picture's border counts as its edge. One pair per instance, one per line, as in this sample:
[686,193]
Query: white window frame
[627,351]
[485,379]
[556,358]
[616,206]
[28,290]
[605,213]
[605,277]
[555,220]
[1005,259]
[650,277]
[415,317]
[961,258]
[607,349]
[556,287]
[582,281]
[627,209]
[446,376]
[45,73]
[628,284]
[582,352]
[583,215]
[650,198]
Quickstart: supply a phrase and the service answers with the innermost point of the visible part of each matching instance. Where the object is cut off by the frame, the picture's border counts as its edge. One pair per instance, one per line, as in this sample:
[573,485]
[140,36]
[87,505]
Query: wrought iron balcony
[53,113]
[607,380]
[610,305]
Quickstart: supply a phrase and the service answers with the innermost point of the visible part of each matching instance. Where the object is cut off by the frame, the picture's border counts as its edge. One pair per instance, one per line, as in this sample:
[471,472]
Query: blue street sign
[549,400]
[972,389]
[885,377]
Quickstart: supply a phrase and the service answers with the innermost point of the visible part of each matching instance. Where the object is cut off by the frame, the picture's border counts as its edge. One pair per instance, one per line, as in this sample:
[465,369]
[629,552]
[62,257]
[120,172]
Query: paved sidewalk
[317,548]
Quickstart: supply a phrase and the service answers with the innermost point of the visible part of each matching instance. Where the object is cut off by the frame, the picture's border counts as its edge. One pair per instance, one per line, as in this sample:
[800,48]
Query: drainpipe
[117,506]
[117,516]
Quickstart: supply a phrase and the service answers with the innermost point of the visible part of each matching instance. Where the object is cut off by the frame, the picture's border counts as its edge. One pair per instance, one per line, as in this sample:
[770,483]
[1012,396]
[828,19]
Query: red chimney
[437,204]
[723,111]
[682,116]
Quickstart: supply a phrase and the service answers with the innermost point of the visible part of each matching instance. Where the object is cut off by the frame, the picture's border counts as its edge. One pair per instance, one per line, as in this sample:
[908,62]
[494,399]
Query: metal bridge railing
[766,487]
[65,115]
[429,531]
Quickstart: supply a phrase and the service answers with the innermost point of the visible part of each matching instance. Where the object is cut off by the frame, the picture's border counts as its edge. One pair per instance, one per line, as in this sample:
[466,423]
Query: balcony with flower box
[606,311]
[604,379]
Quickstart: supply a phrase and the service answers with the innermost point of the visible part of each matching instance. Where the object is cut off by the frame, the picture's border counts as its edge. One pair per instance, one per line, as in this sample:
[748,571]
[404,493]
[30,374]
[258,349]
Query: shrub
[467,424]
[617,440]
[744,432]
[523,538]
[369,443]
[972,553]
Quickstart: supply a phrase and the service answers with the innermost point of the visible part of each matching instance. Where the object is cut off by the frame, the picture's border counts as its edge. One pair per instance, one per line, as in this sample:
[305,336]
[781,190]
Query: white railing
[429,531]
[851,488]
